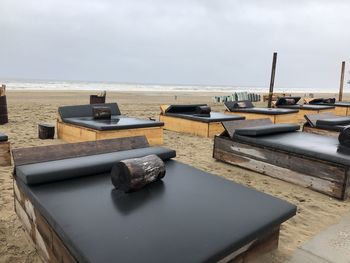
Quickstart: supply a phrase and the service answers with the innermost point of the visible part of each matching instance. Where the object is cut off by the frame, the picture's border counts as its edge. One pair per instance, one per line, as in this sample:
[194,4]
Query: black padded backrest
[313,118]
[243,104]
[267,129]
[188,109]
[3,137]
[287,101]
[85,110]
[52,171]
[334,121]
[231,126]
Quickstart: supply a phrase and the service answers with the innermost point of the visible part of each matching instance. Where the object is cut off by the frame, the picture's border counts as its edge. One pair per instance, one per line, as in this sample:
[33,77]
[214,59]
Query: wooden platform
[342,111]
[74,133]
[5,154]
[281,118]
[303,112]
[309,129]
[324,177]
[197,128]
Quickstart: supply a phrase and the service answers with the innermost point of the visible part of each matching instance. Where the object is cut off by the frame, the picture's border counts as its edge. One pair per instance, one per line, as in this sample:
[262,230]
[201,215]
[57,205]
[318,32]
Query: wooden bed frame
[325,177]
[342,111]
[303,112]
[5,154]
[280,118]
[48,244]
[74,133]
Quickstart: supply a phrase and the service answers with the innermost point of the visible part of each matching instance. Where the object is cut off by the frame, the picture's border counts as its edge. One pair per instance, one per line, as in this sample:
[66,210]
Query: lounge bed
[76,124]
[304,109]
[325,124]
[5,155]
[280,151]
[247,109]
[71,211]
[342,108]
[184,118]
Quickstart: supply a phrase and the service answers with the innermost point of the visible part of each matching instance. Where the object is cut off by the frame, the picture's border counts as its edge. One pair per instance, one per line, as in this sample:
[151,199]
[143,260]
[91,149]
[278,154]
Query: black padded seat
[85,110]
[39,173]
[189,216]
[334,121]
[214,117]
[267,129]
[265,111]
[119,122]
[312,145]
[307,107]
[3,137]
[337,128]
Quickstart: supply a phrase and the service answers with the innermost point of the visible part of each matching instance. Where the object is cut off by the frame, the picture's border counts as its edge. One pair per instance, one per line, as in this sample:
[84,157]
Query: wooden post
[272,80]
[3,106]
[341,81]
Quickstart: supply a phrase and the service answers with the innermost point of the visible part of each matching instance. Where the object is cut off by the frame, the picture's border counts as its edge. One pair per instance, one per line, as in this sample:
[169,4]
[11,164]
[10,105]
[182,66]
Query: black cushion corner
[3,137]
[267,129]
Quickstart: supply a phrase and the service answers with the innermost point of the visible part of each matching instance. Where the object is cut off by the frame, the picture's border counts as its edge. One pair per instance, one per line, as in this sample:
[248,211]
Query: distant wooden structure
[99,98]
[46,131]
[272,80]
[3,106]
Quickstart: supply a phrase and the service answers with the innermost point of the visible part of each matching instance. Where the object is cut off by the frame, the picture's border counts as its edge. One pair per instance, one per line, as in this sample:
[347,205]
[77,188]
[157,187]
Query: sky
[194,42]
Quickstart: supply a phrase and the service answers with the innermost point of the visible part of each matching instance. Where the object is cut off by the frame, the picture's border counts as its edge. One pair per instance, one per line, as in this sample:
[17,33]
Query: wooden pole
[341,81]
[272,80]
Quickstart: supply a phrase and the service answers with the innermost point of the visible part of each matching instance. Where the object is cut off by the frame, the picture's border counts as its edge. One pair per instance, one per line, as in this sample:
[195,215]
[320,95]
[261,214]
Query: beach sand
[26,109]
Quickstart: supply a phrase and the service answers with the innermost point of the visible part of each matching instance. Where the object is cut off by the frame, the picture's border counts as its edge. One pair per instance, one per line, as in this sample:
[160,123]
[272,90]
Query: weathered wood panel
[5,154]
[252,116]
[74,133]
[324,177]
[323,132]
[287,118]
[70,150]
[342,111]
[185,126]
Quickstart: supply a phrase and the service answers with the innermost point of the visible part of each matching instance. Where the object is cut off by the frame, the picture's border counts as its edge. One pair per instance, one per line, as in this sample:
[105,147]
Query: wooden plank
[328,178]
[251,116]
[287,118]
[185,125]
[5,154]
[320,131]
[70,150]
[73,133]
[215,128]
[341,111]
[163,108]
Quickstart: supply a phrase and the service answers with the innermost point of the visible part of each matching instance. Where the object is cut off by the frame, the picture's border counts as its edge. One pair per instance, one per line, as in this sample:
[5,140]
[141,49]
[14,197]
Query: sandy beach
[26,109]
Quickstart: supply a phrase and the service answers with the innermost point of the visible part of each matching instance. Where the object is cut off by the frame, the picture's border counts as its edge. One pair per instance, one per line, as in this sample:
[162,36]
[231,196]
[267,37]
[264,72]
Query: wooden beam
[272,80]
[341,81]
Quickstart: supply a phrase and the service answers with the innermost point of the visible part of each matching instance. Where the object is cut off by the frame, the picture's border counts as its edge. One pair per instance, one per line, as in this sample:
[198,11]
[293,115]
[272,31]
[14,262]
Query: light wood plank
[185,126]
[5,154]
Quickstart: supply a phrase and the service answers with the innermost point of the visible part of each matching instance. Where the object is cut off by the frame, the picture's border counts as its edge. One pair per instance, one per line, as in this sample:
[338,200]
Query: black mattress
[214,117]
[189,216]
[3,137]
[307,107]
[337,104]
[267,111]
[118,122]
[312,145]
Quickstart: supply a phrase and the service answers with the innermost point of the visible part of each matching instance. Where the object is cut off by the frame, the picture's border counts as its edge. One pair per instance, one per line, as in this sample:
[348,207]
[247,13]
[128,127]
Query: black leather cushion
[52,171]
[3,137]
[75,111]
[266,111]
[115,123]
[322,100]
[334,121]
[267,129]
[307,144]
[232,105]
[185,109]
[214,117]
[189,216]
[287,101]
[307,107]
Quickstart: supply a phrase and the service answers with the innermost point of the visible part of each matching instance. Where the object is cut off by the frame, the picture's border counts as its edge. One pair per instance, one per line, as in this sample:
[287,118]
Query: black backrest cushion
[85,110]
[267,129]
[322,100]
[287,101]
[243,104]
[185,109]
[334,121]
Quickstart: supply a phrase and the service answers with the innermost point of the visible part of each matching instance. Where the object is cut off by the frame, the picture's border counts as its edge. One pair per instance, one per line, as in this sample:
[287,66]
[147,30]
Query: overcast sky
[211,42]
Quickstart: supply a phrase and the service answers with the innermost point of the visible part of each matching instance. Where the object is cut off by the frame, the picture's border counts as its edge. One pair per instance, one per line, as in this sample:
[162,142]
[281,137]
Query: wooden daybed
[280,151]
[304,109]
[76,124]
[342,108]
[71,211]
[326,124]
[183,118]
[247,110]
[5,154]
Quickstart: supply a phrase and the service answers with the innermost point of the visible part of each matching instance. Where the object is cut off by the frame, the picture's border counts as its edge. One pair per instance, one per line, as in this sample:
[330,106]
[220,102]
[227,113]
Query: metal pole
[272,81]
[341,81]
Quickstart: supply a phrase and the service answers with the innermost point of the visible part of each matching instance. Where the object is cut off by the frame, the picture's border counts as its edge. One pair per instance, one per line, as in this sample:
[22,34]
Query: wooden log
[203,111]
[46,131]
[133,174]
[101,113]
[3,110]
[98,99]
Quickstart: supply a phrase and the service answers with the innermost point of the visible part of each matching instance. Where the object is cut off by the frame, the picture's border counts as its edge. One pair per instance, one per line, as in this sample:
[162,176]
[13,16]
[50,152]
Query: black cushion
[52,171]
[3,137]
[75,111]
[214,117]
[336,128]
[267,129]
[115,123]
[266,111]
[307,107]
[185,109]
[232,105]
[287,101]
[334,121]
[189,216]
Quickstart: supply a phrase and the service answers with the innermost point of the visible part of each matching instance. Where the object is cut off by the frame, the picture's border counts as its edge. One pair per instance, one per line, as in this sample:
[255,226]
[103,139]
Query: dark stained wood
[325,177]
[70,150]
[133,174]
[46,131]
[231,126]
[341,81]
[272,80]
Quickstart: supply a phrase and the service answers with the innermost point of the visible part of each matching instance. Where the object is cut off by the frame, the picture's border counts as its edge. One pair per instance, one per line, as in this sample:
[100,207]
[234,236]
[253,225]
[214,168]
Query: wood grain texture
[341,111]
[323,132]
[5,154]
[74,133]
